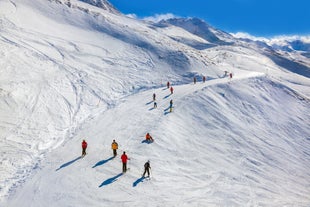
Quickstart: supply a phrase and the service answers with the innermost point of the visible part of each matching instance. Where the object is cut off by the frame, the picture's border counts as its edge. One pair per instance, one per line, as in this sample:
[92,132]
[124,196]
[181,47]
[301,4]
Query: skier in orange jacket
[149,138]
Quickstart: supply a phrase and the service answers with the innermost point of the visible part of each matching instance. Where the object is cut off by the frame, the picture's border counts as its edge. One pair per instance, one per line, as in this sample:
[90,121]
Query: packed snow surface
[72,71]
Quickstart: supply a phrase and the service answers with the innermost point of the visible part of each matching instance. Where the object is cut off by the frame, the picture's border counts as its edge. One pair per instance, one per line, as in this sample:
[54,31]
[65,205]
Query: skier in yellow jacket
[114,146]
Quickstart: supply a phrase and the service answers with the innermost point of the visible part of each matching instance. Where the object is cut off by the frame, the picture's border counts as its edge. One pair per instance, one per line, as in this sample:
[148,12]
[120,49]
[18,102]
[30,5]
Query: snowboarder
[154,96]
[195,80]
[149,138]
[171,90]
[168,84]
[114,146]
[203,78]
[147,167]
[124,161]
[155,105]
[84,146]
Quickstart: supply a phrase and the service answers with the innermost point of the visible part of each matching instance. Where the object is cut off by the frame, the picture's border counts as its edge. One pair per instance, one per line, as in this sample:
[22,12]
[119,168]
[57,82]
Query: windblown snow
[72,71]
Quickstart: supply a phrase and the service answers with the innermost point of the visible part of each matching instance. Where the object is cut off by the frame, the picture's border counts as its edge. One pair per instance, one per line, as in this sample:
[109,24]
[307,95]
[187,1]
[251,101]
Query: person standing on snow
[155,105]
[195,80]
[84,146]
[170,107]
[154,96]
[147,167]
[114,146]
[171,90]
[168,84]
[203,78]
[124,159]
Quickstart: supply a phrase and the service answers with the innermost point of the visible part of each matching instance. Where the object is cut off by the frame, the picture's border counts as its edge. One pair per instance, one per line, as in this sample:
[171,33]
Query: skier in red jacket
[124,161]
[171,90]
[203,78]
[84,146]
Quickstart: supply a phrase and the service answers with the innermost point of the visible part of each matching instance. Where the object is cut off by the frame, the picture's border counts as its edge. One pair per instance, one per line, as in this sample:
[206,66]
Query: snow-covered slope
[74,70]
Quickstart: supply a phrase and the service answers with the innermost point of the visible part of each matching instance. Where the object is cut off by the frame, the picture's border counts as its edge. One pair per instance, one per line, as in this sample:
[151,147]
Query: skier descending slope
[84,146]
[171,105]
[147,167]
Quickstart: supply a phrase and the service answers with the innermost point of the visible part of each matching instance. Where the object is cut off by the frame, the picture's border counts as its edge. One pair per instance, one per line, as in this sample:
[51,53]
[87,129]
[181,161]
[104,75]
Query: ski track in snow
[131,143]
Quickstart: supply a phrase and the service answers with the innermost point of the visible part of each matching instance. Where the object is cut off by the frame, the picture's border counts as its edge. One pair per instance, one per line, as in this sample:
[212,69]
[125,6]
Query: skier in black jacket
[147,167]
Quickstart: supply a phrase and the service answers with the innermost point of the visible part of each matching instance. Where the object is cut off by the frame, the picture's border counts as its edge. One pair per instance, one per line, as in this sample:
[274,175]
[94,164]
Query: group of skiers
[203,79]
[171,92]
[124,156]
[148,137]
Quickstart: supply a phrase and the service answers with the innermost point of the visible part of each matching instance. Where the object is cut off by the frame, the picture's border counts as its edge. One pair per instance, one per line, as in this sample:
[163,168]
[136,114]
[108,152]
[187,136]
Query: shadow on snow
[146,141]
[68,163]
[110,180]
[167,110]
[167,96]
[102,162]
[139,180]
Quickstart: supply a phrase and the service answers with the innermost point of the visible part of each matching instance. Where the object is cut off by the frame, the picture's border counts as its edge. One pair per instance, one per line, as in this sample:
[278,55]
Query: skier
[170,107]
[155,105]
[154,96]
[195,80]
[114,146]
[230,75]
[168,84]
[84,146]
[149,138]
[204,78]
[171,90]
[124,161]
[147,169]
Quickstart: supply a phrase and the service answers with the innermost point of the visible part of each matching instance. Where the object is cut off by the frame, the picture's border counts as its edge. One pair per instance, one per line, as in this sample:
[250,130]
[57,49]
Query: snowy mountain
[104,4]
[199,28]
[74,70]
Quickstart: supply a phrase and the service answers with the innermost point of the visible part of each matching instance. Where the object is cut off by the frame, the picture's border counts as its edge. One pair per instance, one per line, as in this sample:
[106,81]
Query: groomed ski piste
[80,72]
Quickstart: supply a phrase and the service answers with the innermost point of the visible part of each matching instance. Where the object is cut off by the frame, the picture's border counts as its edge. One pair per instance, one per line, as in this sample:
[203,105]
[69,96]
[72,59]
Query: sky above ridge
[264,18]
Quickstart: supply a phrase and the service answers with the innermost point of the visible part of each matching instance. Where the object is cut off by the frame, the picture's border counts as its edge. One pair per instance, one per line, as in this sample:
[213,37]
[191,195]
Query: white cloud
[159,17]
[281,39]
[248,36]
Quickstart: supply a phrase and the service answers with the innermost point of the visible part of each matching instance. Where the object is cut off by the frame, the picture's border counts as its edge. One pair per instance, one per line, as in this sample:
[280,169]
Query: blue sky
[264,18]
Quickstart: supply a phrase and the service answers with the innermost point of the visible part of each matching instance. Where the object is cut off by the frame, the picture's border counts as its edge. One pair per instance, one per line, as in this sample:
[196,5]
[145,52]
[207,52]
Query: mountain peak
[198,27]
[104,4]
